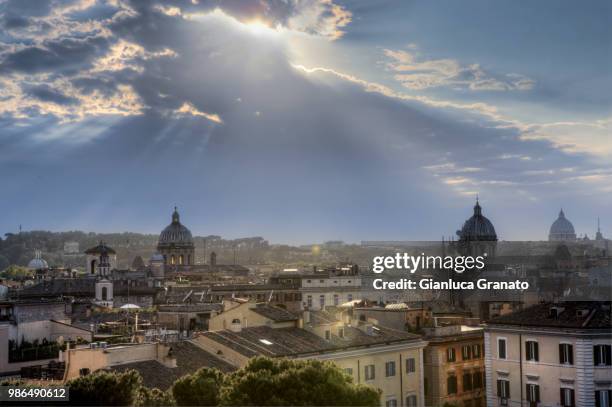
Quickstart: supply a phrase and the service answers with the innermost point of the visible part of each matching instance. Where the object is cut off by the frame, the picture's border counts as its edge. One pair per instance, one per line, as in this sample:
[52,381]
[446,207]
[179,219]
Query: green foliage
[199,389]
[28,351]
[273,382]
[154,398]
[105,389]
[262,382]
[17,273]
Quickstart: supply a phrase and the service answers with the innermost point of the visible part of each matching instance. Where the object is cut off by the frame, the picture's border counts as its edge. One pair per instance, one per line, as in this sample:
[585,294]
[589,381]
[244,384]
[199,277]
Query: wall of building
[96,359]
[547,372]
[5,366]
[247,318]
[399,386]
[438,369]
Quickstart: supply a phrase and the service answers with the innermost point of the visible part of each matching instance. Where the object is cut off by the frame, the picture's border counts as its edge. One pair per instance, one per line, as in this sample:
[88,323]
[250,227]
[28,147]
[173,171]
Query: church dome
[175,233]
[562,229]
[38,263]
[477,228]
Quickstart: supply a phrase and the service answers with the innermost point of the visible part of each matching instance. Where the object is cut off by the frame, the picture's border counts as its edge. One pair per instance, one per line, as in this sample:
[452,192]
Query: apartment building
[550,355]
[454,365]
[388,359]
[330,287]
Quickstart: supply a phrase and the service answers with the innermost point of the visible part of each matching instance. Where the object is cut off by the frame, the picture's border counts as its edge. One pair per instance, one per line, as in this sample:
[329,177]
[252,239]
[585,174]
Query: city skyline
[305,121]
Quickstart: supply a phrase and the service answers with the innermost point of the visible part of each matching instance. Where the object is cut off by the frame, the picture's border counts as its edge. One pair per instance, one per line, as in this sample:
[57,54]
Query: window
[350,297]
[341,332]
[503,389]
[327,335]
[309,301]
[370,372]
[425,386]
[467,382]
[566,354]
[411,400]
[501,348]
[466,352]
[567,397]
[602,398]
[451,383]
[390,369]
[391,402]
[336,300]
[450,354]
[322,301]
[601,355]
[477,380]
[410,365]
[349,371]
[476,351]
[533,393]
[531,351]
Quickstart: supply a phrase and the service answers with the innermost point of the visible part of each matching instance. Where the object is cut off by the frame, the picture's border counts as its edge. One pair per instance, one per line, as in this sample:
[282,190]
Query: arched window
[93,266]
[189,259]
[235,321]
[181,259]
[104,293]
[172,259]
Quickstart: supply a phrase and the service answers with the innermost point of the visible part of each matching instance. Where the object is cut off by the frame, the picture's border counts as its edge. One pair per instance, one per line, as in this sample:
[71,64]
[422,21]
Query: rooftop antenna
[598,228]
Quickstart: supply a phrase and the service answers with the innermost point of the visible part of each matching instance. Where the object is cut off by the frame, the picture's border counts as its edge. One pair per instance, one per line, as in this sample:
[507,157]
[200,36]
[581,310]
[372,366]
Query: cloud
[418,74]
[187,109]
[213,113]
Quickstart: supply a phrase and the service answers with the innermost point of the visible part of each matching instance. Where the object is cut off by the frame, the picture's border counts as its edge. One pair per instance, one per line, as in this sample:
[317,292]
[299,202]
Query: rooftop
[189,358]
[267,341]
[572,315]
[276,314]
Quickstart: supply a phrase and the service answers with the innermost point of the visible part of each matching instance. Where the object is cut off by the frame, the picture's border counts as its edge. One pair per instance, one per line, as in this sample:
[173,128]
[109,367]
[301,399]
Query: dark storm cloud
[68,55]
[48,94]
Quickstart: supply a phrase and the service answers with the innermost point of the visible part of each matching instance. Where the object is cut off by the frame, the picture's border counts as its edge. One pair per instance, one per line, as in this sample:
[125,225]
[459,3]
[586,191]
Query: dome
[477,228]
[562,229]
[38,263]
[175,233]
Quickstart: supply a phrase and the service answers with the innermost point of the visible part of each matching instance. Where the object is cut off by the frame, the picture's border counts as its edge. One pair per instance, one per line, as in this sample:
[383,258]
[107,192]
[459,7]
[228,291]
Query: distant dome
[562,229]
[477,228]
[175,233]
[38,263]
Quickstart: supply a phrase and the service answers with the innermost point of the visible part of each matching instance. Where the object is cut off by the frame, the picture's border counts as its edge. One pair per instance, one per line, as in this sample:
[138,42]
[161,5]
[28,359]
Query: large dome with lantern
[561,229]
[175,233]
[477,228]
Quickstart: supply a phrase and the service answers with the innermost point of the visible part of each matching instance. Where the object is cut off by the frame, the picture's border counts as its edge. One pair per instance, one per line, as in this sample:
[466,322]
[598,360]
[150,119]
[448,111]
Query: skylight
[265,342]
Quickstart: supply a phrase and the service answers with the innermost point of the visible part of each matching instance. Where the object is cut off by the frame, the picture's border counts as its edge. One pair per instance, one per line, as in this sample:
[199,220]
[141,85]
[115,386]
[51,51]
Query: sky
[305,121]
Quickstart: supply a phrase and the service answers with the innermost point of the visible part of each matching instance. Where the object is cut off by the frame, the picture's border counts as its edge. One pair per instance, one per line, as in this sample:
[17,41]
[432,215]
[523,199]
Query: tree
[17,273]
[274,382]
[154,398]
[198,389]
[105,389]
